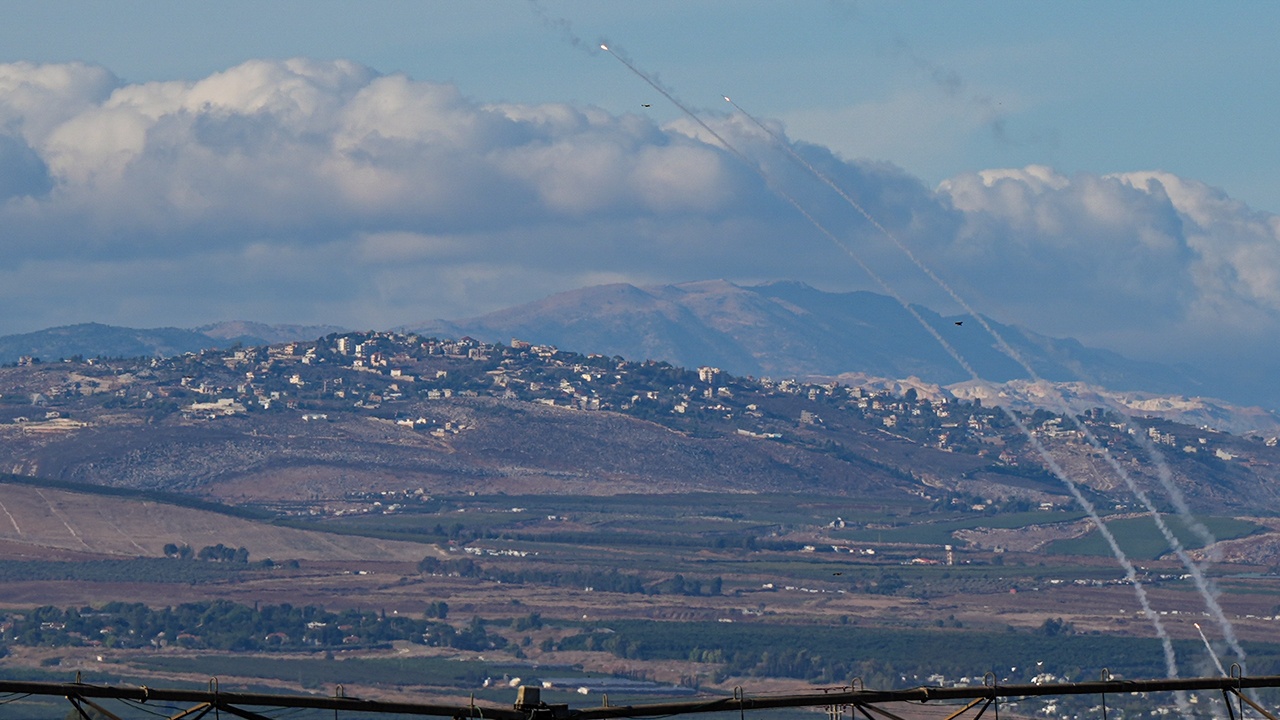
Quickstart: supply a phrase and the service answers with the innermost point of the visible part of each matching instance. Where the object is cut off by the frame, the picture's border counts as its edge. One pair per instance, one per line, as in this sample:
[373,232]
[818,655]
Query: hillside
[307,426]
[43,523]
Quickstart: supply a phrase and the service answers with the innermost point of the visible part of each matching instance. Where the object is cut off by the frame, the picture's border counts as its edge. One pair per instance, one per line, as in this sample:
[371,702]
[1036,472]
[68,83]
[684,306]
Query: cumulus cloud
[1071,249]
[36,99]
[321,157]
[310,191]
[1142,261]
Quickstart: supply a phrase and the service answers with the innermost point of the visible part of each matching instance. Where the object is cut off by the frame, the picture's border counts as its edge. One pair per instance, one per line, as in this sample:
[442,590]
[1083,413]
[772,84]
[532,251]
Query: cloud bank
[310,191]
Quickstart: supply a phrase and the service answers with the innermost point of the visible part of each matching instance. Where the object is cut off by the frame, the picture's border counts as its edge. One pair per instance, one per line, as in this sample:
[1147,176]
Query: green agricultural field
[937,530]
[894,657]
[139,570]
[696,513]
[1139,538]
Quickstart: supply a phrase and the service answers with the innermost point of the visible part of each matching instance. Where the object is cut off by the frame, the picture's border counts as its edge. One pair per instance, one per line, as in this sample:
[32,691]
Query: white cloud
[329,170]
[1144,261]
[316,191]
[1237,264]
[34,99]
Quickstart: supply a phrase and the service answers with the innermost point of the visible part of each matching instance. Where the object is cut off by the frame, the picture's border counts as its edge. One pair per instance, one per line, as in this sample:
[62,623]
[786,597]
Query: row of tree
[224,625]
[210,553]
[889,657]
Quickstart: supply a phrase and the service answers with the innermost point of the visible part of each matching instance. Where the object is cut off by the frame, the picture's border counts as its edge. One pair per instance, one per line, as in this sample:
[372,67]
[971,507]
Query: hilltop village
[379,372]
[392,378]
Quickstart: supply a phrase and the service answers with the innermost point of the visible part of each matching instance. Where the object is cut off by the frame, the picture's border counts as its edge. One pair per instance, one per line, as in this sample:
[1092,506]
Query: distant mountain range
[780,329]
[789,329]
[90,340]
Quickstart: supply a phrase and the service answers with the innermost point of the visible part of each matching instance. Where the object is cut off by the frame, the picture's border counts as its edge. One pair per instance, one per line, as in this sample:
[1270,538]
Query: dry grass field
[35,522]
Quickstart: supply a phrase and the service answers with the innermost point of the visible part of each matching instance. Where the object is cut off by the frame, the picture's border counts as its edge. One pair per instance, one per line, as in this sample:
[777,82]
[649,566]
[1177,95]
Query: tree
[532,621]
[438,609]
[1053,627]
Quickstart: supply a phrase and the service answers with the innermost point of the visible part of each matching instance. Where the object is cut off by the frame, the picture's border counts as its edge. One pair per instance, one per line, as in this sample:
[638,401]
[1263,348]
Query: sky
[1098,170]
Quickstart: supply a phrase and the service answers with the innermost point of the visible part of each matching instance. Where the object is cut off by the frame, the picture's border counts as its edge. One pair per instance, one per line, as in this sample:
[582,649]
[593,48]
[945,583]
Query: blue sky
[1097,170]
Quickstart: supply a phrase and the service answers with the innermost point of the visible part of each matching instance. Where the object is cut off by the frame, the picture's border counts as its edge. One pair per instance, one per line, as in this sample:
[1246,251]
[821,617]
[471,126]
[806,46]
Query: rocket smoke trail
[1050,461]
[1206,588]
[1214,656]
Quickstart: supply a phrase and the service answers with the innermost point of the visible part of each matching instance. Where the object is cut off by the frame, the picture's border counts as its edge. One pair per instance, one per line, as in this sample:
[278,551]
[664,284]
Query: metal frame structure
[871,704]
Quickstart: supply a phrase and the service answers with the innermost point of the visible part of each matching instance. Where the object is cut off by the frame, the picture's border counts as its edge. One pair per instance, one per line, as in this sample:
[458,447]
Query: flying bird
[837,573]
[645,105]
[959,322]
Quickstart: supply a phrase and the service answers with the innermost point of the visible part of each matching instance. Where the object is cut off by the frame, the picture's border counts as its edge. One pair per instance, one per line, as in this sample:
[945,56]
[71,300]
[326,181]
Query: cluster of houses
[375,372]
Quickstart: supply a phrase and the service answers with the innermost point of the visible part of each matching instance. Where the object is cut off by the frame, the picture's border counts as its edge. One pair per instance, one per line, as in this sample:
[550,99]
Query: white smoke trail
[1212,655]
[1050,461]
[1208,590]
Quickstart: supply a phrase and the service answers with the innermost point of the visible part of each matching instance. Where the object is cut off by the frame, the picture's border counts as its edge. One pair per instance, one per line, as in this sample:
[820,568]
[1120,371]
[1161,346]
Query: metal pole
[234,702]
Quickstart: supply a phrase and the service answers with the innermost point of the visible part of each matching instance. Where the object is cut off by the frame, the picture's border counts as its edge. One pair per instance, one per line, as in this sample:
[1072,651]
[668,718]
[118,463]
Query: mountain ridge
[777,329]
[788,328]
